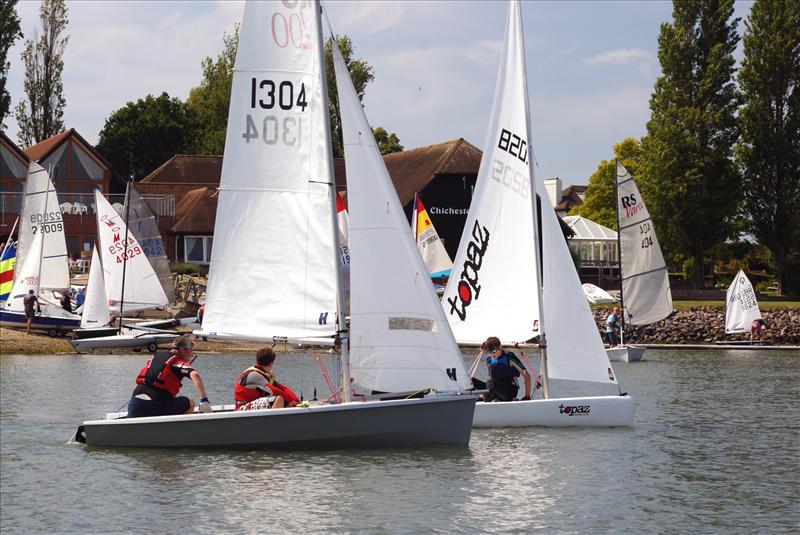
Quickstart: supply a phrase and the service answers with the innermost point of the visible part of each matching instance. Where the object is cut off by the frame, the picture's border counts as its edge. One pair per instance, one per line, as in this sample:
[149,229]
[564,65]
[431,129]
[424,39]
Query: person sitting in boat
[612,326]
[66,302]
[758,330]
[31,304]
[256,387]
[504,369]
[158,383]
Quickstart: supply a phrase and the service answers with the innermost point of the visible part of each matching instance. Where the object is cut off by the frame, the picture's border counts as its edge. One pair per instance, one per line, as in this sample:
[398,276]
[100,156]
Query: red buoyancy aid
[242,394]
[157,373]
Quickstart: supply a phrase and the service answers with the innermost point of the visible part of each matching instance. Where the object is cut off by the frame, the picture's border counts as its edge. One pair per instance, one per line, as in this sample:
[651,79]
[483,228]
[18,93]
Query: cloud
[368,18]
[619,56]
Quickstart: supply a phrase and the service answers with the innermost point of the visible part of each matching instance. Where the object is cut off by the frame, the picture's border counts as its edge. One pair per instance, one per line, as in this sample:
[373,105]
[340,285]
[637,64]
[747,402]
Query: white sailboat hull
[597,411]
[147,339]
[357,425]
[625,353]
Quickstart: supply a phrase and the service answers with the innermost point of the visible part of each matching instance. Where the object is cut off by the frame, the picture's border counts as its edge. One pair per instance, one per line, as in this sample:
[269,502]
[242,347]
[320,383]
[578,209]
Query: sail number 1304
[267,95]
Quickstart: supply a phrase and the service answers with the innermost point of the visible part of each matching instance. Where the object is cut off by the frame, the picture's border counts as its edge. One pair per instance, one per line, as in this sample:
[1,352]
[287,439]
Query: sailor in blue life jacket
[504,369]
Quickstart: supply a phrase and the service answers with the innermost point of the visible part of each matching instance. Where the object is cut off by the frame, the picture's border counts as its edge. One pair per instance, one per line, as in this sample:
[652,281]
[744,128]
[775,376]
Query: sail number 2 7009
[271,94]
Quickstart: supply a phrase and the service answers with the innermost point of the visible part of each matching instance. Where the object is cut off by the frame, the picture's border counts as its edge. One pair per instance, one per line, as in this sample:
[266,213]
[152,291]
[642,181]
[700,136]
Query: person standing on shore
[31,303]
[758,330]
[158,383]
[612,326]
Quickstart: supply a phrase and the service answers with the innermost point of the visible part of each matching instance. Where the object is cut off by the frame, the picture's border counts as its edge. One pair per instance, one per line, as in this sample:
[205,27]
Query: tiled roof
[196,212]
[187,169]
[41,150]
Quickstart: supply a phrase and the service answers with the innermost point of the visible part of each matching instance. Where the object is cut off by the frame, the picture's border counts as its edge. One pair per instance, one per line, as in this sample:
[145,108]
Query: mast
[341,327]
[124,255]
[619,256]
[537,235]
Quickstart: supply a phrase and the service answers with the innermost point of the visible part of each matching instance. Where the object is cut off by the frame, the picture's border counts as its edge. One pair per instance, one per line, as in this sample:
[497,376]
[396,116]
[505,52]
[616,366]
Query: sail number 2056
[267,95]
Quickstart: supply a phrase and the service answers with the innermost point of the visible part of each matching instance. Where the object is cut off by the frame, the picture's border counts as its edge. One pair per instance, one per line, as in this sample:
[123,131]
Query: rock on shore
[706,325]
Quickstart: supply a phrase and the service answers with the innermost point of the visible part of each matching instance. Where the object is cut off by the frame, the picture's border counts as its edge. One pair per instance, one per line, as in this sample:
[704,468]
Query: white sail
[399,337]
[141,288]
[492,290]
[26,275]
[41,214]
[95,306]
[144,226]
[741,307]
[272,271]
[430,246]
[645,278]
[343,222]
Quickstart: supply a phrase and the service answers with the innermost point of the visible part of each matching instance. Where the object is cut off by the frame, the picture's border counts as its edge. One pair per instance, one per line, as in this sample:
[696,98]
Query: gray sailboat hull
[371,424]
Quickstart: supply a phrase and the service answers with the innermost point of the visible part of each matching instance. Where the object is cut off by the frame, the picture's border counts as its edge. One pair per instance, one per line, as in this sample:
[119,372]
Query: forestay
[645,278]
[272,273]
[142,223]
[492,290]
[399,337]
[41,214]
[141,286]
[741,307]
[95,306]
[430,246]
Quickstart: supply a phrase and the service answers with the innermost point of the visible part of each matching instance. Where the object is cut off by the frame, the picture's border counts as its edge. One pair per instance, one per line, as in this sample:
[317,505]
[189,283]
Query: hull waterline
[591,411]
[357,425]
[625,353]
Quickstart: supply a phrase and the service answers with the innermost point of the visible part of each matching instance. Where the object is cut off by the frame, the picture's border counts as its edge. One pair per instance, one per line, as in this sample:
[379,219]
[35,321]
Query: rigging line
[644,273]
[624,181]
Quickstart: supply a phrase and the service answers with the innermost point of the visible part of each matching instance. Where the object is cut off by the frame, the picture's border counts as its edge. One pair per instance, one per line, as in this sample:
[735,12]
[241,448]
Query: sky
[591,66]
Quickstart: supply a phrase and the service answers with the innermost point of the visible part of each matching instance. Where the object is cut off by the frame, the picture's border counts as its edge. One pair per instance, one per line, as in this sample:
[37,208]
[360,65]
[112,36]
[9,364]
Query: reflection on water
[714,448]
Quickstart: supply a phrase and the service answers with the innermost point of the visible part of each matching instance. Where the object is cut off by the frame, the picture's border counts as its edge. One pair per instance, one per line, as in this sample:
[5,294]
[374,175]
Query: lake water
[714,448]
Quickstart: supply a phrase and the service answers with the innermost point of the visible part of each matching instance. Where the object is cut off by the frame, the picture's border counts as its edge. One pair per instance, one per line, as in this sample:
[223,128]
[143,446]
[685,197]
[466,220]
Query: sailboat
[430,246]
[42,263]
[513,275]
[130,284]
[277,194]
[741,306]
[644,292]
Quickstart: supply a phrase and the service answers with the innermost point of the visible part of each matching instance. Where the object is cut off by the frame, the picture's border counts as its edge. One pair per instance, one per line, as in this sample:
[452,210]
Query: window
[197,249]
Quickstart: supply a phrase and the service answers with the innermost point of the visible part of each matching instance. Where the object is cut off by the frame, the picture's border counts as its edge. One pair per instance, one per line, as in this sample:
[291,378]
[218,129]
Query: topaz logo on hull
[574,410]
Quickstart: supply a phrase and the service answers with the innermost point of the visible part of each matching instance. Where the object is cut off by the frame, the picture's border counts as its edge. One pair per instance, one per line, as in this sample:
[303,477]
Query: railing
[83,203]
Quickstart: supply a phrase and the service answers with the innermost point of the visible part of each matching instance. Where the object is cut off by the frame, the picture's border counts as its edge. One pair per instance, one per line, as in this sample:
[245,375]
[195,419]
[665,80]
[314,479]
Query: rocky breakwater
[706,325]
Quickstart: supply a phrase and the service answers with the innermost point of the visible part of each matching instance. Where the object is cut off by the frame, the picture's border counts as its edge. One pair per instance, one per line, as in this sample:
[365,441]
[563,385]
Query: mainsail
[130,280]
[26,276]
[400,339]
[272,273]
[741,307]
[95,307]
[430,246]
[645,278]
[144,226]
[41,214]
[492,290]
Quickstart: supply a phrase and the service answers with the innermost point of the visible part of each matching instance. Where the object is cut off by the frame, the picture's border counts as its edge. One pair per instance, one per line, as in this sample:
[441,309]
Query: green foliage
[142,135]
[600,204]
[187,268]
[9,32]
[41,116]
[691,183]
[793,274]
[210,101]
[360,72]
[769,150]
[387,143]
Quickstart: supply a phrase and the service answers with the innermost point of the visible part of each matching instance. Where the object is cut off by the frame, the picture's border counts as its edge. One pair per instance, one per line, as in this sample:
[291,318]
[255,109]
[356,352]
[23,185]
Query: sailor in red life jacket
[256,387]
[158,383]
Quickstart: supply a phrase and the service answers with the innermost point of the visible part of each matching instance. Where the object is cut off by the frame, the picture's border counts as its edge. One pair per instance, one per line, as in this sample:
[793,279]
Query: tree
[687,166]
[360,72]
[387,142]
[142,135]
[40,117]
[210,101]
[600,204]
[9,32]
[769,150]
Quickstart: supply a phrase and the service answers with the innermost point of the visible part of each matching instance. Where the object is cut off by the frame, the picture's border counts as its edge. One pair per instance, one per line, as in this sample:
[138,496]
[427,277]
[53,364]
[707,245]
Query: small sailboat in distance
[430,246]
[741,306]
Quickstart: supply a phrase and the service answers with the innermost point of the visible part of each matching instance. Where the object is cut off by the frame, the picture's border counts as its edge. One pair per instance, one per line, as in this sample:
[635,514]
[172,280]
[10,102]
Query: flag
[7,263]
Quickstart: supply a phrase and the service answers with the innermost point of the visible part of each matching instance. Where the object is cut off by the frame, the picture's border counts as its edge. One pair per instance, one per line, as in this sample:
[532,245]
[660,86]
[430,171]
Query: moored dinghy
[541,294]
[279,195]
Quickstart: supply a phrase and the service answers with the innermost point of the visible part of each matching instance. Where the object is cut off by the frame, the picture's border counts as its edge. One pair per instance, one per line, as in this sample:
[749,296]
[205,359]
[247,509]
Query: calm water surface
[714,448]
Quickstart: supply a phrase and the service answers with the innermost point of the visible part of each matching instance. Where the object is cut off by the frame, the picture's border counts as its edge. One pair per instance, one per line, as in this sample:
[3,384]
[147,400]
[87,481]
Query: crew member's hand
[205,406]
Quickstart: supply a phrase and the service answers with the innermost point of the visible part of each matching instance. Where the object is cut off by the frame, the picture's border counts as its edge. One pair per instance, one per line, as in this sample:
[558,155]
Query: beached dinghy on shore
[513,276]
[279,195]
